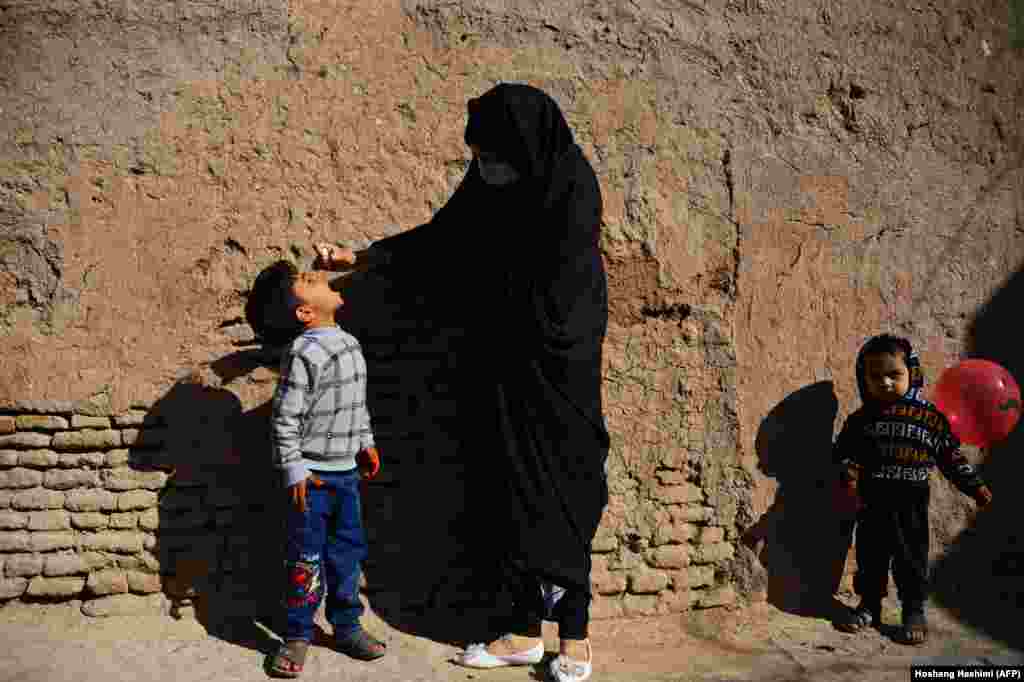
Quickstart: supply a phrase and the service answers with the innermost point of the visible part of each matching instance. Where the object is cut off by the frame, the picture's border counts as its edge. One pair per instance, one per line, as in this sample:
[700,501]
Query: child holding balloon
[886,450]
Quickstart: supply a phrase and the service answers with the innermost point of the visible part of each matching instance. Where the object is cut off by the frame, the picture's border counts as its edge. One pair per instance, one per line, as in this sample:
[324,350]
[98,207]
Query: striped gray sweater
[320,417]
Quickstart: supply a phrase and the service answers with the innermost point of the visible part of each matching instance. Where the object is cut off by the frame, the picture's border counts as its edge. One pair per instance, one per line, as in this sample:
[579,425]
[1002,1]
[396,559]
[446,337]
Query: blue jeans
[325,548]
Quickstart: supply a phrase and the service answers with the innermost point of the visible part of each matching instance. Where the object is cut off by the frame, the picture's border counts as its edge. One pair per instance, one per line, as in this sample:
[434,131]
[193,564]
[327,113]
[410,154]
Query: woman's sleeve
[571,288]
[400,247]
[428,242]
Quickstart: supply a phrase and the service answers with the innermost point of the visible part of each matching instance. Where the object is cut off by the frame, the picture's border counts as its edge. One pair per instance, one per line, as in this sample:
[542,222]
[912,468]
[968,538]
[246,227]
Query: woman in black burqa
[513,257]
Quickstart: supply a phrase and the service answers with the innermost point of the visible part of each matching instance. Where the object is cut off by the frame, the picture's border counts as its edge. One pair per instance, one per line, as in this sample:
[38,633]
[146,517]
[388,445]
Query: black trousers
[522,606]
[892,530]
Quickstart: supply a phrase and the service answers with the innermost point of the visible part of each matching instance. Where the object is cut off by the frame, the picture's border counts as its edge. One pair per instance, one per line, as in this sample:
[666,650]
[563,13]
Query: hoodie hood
[873,345]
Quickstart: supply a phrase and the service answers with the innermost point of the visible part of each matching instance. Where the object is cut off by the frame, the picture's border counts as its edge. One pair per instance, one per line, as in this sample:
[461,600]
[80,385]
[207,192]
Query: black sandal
[859,618]
[289,659]
[361,645]
[914,630]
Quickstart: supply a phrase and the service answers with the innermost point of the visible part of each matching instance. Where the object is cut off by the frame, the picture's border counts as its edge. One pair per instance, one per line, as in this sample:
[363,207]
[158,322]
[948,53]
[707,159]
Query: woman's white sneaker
[565,669]
[477,656]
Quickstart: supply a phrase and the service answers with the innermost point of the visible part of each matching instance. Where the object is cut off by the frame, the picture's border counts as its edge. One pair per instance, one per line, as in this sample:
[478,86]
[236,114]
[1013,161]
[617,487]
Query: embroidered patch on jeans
[303,583]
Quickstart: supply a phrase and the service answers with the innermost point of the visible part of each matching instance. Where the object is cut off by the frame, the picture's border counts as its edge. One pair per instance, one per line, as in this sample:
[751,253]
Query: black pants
[893,529]
[522,608]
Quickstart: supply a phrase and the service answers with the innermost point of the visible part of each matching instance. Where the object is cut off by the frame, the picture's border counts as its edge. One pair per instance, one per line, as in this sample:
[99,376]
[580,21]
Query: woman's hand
[332,257]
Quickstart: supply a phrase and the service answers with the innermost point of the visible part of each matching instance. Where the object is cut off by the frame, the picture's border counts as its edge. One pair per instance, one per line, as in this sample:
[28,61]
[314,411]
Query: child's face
[886,376]
[316,301]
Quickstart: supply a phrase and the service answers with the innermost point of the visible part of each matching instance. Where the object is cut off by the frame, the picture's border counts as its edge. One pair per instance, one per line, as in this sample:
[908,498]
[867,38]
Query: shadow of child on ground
[800,540]
[979,578]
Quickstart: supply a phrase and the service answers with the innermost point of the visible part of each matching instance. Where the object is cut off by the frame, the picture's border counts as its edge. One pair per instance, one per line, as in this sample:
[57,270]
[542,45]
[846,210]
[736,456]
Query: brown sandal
[289,659]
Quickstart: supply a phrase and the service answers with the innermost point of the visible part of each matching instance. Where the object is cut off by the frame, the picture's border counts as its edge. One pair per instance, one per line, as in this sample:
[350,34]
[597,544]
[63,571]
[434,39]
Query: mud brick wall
[122,513]
[780,179]
[250,130]
[77,519]
[669,529]
[113,512]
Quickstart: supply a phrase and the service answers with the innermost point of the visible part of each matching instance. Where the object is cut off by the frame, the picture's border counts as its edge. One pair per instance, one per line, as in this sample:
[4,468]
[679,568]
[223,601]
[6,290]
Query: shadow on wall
[979,578]
[799,541]
[220,537]
[216,538]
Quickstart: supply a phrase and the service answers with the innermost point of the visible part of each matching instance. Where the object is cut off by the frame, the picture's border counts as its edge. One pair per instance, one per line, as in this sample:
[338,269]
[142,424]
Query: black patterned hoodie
[898,444]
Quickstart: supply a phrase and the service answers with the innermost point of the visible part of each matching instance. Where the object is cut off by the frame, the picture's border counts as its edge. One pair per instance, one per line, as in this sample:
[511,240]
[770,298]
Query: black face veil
[524,127]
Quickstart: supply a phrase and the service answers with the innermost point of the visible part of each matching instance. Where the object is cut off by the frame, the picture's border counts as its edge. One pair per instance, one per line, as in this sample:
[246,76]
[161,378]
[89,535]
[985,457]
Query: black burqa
[520,269]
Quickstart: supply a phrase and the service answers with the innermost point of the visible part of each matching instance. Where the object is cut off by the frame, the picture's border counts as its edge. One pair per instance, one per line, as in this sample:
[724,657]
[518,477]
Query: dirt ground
[761,643]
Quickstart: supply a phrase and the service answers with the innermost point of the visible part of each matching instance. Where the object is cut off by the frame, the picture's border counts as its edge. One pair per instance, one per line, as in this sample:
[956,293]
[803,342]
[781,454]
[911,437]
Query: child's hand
[850,475]
[847,498]
[298,494]
[368,461]
[298,491]
[983,496]
[331,257]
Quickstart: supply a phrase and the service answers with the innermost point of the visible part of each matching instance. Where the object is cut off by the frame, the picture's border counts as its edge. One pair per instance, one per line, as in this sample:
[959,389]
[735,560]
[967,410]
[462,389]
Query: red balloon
[981,401]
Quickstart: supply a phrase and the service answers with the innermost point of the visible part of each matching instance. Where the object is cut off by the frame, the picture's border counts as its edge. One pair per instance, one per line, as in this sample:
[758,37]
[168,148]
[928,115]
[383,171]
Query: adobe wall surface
[780,182]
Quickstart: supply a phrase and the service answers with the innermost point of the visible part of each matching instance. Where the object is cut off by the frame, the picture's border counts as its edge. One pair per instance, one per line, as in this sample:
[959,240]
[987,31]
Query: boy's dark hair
[268,309]
[887,343]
